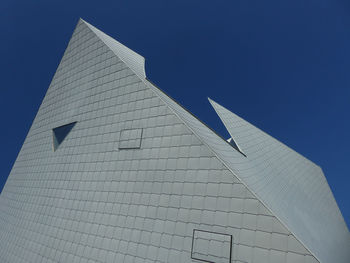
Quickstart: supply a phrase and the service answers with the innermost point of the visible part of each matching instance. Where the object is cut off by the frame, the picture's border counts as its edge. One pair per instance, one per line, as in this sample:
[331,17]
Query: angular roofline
[214,103]
[189,112]
[225,154]
[225,164]
[135,61]
[322,238]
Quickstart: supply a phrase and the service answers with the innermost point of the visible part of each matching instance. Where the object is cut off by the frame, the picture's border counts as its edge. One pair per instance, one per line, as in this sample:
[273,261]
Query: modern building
[114,170]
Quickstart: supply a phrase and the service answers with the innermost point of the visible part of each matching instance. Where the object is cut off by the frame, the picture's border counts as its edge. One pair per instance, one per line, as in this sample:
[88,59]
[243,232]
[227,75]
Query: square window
[130,139]
[211,247]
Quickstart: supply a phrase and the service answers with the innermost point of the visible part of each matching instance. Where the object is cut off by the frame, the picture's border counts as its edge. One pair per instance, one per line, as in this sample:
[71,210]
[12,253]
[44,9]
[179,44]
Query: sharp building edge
[114,170]
[304,201]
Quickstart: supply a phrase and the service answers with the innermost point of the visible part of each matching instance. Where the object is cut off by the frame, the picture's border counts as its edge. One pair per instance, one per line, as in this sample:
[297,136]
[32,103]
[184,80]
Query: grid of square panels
[303,195]
[90,202]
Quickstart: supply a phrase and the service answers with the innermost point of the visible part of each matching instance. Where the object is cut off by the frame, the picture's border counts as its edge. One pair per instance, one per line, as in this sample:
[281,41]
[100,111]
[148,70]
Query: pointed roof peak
[280,167]
[230,140]
[210,100]
[133,60]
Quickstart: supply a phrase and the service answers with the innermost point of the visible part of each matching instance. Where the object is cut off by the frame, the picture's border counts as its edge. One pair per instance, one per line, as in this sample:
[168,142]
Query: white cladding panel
[90,201]
[303,201]
[251,173]
[134,61]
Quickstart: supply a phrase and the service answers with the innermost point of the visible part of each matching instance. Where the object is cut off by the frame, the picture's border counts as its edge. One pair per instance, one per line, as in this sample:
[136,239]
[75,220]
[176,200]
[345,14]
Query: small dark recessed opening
[60,133]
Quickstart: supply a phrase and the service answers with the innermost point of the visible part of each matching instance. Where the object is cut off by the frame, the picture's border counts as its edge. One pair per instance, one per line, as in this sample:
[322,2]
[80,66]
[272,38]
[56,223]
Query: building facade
[114,170]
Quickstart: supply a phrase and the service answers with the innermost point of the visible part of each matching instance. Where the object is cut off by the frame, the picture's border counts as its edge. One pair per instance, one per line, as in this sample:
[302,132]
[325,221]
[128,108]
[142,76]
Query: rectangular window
[130,139]
[211,247]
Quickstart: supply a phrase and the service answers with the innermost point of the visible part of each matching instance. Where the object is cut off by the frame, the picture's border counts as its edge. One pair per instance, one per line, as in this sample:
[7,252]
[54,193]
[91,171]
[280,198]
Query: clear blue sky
[281,65]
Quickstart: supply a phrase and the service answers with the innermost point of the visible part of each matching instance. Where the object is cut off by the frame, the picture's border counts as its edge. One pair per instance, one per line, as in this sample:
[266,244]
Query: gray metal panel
[134,61]
[303,201]
[90,202]
[280,198]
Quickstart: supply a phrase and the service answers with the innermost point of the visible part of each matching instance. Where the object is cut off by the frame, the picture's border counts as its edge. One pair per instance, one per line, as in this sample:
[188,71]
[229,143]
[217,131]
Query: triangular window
[60,133]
